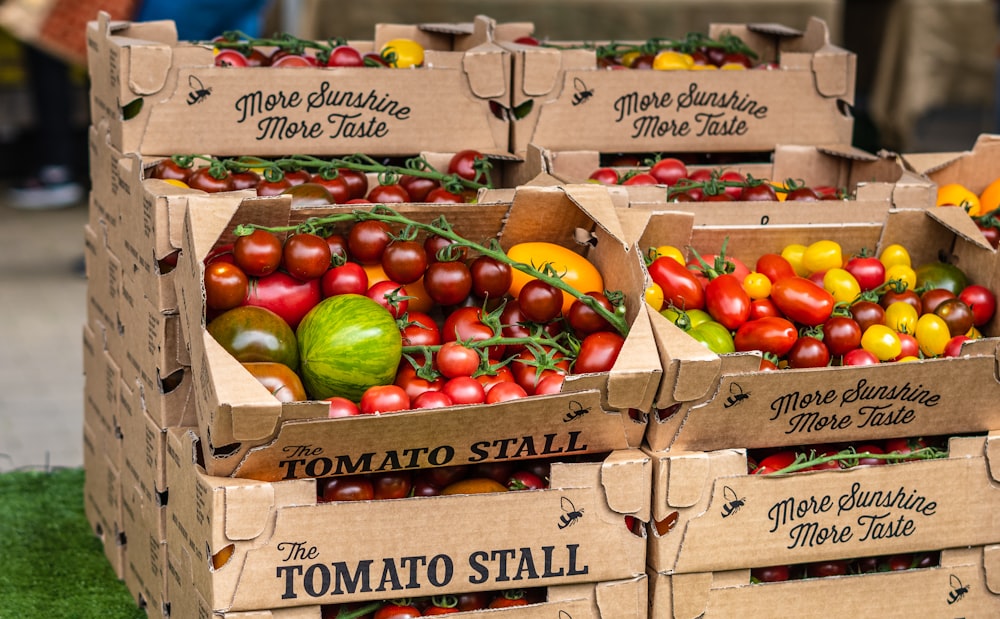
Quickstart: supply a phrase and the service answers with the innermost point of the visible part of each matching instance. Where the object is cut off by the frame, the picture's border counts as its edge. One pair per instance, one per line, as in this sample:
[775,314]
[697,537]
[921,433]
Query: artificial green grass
[51,564]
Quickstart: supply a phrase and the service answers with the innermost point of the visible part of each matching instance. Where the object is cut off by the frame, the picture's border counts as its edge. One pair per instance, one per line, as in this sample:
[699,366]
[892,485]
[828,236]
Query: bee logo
[582,93]
[737,395]
[958,589]
[576,410]
[571,515]
[198,91]
[733,502]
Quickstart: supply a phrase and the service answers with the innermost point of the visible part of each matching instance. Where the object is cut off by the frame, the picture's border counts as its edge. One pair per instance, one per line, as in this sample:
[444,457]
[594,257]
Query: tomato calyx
[720,266]
[852,457]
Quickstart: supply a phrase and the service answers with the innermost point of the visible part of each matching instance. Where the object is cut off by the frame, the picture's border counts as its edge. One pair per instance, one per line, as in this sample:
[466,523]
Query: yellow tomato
[671,252]
[757,285]
[956,194]
[882,342]
[573,268]
[932,335]
[901,317]
[895,254]
[903,273]
[654,296]
[794,254]
[629,58]
[733,66]
[779,190]
[403,53]
[176,182]
[822,255]
[669,60]
[841,284]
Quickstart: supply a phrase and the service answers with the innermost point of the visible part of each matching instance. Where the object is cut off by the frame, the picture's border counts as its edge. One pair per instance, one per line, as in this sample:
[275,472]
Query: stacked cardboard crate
[203,483]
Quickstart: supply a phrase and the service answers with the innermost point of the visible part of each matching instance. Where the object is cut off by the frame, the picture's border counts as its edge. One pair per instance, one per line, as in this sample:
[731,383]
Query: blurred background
[926,76]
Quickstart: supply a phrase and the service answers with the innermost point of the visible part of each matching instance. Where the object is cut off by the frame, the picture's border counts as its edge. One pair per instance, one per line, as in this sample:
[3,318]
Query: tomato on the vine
[404,261]
[491,278]
[348,278]
[367,240]
[390,295]
[306,256]
[540,301]
[257,253]
[383,399]
[456,359]
[448,282]
[584,320]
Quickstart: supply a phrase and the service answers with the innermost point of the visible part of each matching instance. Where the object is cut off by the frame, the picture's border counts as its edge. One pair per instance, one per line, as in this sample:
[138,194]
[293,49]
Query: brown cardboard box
[248,433]
[285,549]
[102,492]
[104,281]
[870,179]
[443,106]
[975,168]
[102,381]
[144,473]
[576,106]
[697,407]
[722,518]
[964,585]
[145,555]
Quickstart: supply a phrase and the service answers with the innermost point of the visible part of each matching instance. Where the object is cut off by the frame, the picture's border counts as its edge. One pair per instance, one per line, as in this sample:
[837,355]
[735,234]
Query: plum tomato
[774,462]
[598,352]
[802,301]
[769,334]
[679,285]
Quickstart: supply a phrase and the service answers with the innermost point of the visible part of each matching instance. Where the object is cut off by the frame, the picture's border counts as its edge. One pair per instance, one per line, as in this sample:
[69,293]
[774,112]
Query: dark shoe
[53,188]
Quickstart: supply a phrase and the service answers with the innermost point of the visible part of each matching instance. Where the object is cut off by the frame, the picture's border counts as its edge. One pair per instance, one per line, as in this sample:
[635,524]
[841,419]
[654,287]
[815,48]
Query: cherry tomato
[204,180]
[281,380]
[901,317]
[388,194]
[808,352]
[348,278]
[305,256]
[505,391]
[448,282]
[529,368]
[456,359]
[258,253]
[714,336]
[761,308]
[272,188]
[801,194]
[345,56]
[491,279]
[770,335]
[404,261]
[802,301]
[383,399]
[822,256]
[464,164]
[342,407]
[668,171]
[774,462]
[759,192]
[841,335]
[757,285]
[346,488]
[868,271]
[598,352]
[930,299]
[823,569]
[247,179]
[954,346]
[653,295]
[226,285]
[907,296]
[641,178]
[432,399]
[775,573]
[540,301]
[604,176]
[397,611]
[902,273]
[420,330]
[882,342]
[402,53]
[981,301]
[956,314]
[867,313]
[584,320]
[357,182]
[895,254]
[367,240]
[932,334]
[860,356]
[841,284]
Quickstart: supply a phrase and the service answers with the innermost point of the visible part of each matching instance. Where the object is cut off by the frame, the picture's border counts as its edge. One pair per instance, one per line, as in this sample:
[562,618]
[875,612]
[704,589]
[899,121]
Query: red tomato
[305,256]
[432,399]
[867,270]
[642,178]
[390,295]
[258,253]
[383,399]
[680,286]
[759,192]
[771,334]
[348,278]
[668,171]
[205,179]
[443,196]
[392,484]
[802,301]
[529,369]
[775,267]
[954,346]
[464,163]
[775,573]
[346,488]
[727,301]
[504,392]
[491,279]
[981,301]
[808,352]
[388,194]
[841,335]
[413,384]
[226,285]
[464,390]
[342,407]
[763,308]
[404,261]
[774,462]
[345,56]
[284,295]
[604,176]
[584,320]
[449,282]
[397,611]
[540,301]
[420,330]
[860,356]
[867,313]
[367,240]
[823,569]
[909,347]
[455,359]
[598,352]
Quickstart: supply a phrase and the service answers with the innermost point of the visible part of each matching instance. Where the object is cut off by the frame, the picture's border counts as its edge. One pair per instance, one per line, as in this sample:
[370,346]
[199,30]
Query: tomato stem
[850,458]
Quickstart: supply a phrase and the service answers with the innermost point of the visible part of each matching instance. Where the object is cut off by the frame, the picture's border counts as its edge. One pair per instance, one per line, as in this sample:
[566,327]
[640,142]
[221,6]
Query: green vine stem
[442,228]
[850,458]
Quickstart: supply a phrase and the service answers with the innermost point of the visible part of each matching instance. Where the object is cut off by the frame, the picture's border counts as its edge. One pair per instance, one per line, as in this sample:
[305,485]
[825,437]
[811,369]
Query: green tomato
[714,336]
[941,275]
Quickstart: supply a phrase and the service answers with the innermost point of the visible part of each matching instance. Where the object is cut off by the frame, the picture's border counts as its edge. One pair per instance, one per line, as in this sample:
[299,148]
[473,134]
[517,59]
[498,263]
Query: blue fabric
[198,20]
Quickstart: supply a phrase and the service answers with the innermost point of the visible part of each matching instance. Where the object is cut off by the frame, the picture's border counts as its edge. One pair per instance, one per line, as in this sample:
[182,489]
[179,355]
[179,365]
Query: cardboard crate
[282,545]
[144,472]
[873,180]
[104,281]
[102,491]
[619,599]
[248,433]
[442,106]
[805,101]
[102,381]
[145,555]
[708,402]
[964,585]
[710,515]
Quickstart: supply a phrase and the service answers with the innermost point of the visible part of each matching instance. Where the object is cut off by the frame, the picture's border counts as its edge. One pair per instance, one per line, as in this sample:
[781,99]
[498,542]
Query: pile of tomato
[810,306]
[468,328]
[285,50]
[844,567]
[312,181]
[706,184]
[437,605]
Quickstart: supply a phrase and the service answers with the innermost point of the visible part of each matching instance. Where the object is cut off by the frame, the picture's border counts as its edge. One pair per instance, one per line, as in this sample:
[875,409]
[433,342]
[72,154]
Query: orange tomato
[474,485]
[989,199]
[573,268]
[956,194]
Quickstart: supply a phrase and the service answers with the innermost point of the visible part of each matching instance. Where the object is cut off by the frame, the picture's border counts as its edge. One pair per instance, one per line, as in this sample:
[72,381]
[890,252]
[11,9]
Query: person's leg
[52,182]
